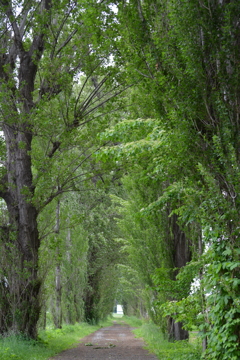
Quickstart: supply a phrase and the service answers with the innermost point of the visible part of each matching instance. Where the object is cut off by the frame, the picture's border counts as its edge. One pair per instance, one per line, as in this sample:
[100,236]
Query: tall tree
[44,46]
[190,56]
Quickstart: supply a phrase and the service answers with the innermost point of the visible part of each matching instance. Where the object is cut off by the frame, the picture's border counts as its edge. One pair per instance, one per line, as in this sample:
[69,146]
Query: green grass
[177,350]
[132,321]
[53,341]
[164,350]
[50,343]
[117,316]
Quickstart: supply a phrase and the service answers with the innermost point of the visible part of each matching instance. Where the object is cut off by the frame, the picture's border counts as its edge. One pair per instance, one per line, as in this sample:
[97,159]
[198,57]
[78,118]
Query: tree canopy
[120,155]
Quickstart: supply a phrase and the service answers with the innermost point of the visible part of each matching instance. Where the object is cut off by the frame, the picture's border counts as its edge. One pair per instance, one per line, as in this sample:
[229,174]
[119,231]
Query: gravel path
[116,342]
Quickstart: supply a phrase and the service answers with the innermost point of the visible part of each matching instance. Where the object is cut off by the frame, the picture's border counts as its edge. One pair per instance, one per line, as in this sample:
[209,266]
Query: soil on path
[116,342]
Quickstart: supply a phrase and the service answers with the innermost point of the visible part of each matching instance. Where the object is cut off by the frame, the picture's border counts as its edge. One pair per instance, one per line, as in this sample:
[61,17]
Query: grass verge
[132,321]
[50,343]
[164,350]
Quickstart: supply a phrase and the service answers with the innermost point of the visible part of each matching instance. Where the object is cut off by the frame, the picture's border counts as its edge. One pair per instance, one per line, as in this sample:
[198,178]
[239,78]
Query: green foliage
[102,256]
[187,310]
[142,245]
[67,250]
[188,62]
[182,305]
[85,253]
[175,289]
[222,283]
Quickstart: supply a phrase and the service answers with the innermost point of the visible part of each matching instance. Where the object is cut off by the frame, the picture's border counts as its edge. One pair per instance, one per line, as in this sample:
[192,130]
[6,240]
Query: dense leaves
[187,57]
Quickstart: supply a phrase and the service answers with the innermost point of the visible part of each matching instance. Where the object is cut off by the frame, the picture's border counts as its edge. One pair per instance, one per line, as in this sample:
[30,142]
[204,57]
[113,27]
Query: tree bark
[58,304]
[181,256]
[92,299]
[23,242]
[58,283]
[17,185]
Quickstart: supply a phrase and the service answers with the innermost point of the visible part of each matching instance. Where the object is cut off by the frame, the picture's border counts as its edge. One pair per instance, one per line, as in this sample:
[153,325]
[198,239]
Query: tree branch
[56,146]
[102,103]
[66,41]
[13,22]
[59,32]
[37,43]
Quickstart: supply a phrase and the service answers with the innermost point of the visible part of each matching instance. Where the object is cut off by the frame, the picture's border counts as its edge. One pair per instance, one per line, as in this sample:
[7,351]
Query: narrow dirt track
[116,342]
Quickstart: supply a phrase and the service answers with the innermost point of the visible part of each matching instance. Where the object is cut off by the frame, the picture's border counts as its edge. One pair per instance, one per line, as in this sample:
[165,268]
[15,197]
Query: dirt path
[116,342]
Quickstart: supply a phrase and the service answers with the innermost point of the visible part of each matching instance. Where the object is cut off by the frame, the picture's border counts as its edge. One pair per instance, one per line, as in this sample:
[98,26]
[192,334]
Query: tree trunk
[57,311]
[181,256]
[70,297]
[176,331]
[204,307]
[58,304]
[23,240]
[92,299]
[17,189]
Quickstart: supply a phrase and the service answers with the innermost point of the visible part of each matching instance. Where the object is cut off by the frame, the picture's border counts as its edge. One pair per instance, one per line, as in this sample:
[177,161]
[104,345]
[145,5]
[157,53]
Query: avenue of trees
[120,165]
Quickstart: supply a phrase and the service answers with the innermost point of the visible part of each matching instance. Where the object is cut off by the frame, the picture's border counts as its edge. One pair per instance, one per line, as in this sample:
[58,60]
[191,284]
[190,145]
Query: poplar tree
[46,46]
[187,52]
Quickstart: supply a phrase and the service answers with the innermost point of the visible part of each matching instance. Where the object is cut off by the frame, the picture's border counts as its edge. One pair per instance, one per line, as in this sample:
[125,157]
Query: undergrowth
[177,350]
[50,342]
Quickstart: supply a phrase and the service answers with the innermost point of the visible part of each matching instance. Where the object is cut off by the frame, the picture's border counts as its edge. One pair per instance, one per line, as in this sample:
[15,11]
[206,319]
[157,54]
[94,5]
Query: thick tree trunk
[181,256]
[23,241]
[22,245]
[176,331]
[181,245]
